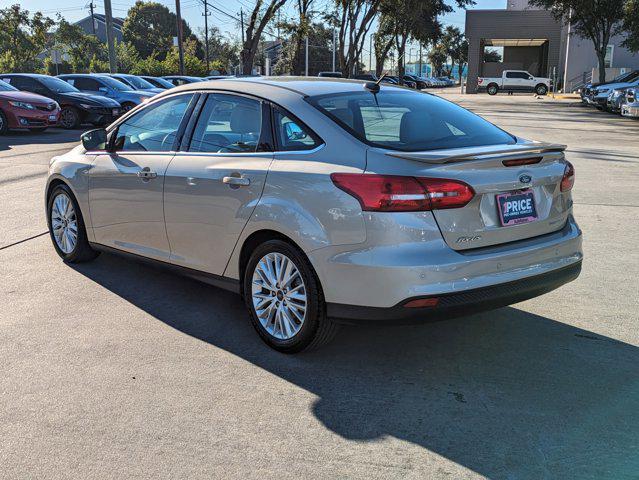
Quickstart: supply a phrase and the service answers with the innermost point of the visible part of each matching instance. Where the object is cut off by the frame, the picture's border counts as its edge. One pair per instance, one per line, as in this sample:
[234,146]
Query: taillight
[394,193]
[568,180]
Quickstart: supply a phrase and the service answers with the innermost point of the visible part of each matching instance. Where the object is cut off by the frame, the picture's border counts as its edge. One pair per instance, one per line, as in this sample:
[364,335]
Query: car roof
[305,86]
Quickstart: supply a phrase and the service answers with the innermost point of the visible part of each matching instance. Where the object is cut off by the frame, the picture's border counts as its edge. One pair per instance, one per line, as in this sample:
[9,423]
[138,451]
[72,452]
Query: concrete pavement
[116,370]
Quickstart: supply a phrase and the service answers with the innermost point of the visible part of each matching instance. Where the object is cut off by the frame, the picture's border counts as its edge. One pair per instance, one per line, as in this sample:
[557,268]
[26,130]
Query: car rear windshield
[138,82]
[408,121]
[5,87]
[115,84]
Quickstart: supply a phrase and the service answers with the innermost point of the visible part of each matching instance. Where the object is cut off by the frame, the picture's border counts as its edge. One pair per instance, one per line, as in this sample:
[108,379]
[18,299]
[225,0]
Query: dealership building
[532,39]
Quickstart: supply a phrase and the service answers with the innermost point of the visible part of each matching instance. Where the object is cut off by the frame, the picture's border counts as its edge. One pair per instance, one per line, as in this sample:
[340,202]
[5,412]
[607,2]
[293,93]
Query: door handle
[237,181]
[146,174]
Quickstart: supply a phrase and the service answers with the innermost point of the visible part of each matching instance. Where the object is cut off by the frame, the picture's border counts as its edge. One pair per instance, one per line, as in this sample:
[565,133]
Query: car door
[126,184]
[212,188]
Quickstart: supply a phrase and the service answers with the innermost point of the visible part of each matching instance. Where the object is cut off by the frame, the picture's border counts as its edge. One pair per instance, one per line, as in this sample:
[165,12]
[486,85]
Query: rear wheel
[541,89]
[66,227]
[69,118]
[4,124]
[285,299]
[492,89]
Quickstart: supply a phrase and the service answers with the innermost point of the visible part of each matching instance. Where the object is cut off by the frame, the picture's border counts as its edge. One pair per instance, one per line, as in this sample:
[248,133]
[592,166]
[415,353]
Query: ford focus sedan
[322,201]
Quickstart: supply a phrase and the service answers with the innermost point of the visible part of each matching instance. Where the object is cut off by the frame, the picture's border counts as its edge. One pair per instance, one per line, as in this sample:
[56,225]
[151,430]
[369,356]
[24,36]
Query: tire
[492,89]
[541,89]
[80,250]
[292,335]
[4,123]
[69,118]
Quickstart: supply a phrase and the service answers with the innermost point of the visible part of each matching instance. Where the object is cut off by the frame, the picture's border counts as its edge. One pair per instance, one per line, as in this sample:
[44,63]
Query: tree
[22,39]
[192,64]
[223,52]
[257,22]
[353,19]
[595,20]
[320,40]
[454,44]
[150,28]
[631,25]
[492,56]
[82,49]
[437,58]
[383,42]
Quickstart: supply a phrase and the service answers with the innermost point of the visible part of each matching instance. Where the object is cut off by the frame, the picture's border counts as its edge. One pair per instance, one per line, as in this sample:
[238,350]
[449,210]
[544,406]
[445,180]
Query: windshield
[56,85]
[138,83]
[115,84]
[161,81]
[408,121]
[5,87]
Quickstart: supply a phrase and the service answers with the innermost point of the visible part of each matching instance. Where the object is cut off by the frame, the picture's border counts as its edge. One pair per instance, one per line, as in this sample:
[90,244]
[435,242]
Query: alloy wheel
[279,296]
[64,223]
[68,118]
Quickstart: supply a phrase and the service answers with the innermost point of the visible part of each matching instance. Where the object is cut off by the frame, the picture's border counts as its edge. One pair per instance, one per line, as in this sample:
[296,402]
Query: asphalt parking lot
[112,369]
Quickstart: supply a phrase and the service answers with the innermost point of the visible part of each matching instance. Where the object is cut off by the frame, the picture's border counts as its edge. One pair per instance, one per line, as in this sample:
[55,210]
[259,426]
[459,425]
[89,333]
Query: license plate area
[515,208]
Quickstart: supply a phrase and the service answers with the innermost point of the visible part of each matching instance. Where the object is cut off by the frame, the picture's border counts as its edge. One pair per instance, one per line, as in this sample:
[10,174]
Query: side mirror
[94,139]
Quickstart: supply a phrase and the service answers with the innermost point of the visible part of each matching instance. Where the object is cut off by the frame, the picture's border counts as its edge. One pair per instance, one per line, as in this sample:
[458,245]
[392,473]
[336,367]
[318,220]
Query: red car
[26,110]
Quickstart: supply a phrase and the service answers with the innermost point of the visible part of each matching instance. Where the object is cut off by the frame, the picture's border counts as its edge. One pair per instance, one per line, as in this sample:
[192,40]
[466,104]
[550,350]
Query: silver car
[322,201]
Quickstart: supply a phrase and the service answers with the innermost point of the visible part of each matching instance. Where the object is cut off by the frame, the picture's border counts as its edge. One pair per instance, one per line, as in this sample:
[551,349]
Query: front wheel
[66,227]
[4,124]
[492,89]
[69,118]
[541,90]
[285,299]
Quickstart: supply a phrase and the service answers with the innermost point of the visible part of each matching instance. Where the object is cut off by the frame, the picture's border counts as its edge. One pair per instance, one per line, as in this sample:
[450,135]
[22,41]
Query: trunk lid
[478,224]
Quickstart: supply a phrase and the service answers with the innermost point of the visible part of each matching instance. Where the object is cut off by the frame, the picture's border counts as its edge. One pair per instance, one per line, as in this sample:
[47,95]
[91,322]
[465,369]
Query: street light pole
[179,35]
[206,35]
[333,49]
[306,57]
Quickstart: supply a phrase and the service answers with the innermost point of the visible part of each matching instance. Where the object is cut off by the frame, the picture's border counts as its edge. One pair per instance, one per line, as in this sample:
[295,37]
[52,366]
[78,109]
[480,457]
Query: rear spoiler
[479,154]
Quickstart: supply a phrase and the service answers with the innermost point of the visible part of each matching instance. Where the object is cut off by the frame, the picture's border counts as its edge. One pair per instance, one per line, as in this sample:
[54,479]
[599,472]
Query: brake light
[394,193]
[568,180]
[521,161]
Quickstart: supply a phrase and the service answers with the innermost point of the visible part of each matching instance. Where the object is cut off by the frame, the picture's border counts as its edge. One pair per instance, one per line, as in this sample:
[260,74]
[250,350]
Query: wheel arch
[541,84]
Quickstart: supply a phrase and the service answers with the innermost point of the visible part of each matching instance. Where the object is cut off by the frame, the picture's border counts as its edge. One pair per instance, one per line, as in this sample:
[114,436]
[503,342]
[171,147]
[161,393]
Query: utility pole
[333,49]
[92,18]
[420,59]
[108,15]
[242,25]
[565,87]
[370,53]
[306,68]
[206,35]
[179,35]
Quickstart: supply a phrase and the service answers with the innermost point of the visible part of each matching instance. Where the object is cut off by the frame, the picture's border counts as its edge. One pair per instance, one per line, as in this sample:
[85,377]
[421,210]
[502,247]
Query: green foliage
[492,56]
[437,58]
[631,25]
[82,49]
[22,38]
[149,66]
[150,28]
[455,46]
[224,53]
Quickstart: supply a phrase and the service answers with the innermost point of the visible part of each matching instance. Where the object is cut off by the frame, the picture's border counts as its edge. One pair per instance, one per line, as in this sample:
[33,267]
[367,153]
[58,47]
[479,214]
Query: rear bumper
[452,305]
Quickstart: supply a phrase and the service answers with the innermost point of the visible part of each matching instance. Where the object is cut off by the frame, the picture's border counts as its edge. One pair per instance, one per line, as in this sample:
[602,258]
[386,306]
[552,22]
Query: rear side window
[228,124]
[408,121]
[292,135]
[154,128]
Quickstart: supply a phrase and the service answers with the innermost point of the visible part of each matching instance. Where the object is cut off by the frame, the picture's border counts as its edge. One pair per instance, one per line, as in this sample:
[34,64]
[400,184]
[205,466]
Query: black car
[76,107]
[420,84]
[178,80]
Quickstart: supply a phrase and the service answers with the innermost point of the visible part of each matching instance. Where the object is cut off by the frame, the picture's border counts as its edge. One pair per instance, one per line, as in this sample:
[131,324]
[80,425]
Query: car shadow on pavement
[50,136]
[507,394]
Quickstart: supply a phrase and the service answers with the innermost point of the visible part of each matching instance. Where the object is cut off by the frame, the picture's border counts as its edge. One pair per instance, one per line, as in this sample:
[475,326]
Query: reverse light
[394,193]
[568,180]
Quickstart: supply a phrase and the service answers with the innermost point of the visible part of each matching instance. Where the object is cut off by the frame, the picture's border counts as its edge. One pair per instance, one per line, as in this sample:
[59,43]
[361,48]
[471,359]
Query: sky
[193,12]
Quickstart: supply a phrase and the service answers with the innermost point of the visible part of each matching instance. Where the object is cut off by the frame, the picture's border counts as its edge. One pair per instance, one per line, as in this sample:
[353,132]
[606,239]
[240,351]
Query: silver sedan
[322,201]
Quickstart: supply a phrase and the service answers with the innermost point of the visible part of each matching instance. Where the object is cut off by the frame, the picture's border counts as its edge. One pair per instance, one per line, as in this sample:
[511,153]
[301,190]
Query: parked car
[178,80]
[514,81]
[26,110]
[598,96]
[616,98]
[586,90]
[407,82]
[136,83]
[448,82]
[107,87]
[368,77]
[419,83]
[76,107]
[218,77]
[330,74]
[339,201]
[158,82]
[630,107]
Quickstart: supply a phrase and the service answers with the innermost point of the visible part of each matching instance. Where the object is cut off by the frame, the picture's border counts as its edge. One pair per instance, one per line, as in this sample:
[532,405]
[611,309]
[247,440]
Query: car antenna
[374,87]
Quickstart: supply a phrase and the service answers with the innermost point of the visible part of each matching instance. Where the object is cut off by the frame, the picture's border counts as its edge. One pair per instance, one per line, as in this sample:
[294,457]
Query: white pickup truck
[514,81]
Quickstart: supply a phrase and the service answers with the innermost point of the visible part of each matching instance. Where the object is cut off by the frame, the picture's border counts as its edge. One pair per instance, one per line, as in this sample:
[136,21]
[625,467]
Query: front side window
[56,85]
[408,121]
[154,128]
[292,135]
[228,124]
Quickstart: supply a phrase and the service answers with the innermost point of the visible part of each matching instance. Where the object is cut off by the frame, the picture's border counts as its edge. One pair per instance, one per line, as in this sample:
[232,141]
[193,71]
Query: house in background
[99,23]
[532,39]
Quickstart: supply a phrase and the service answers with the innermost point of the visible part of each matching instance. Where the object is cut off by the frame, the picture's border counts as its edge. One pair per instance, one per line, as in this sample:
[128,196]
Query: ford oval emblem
[525,178]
